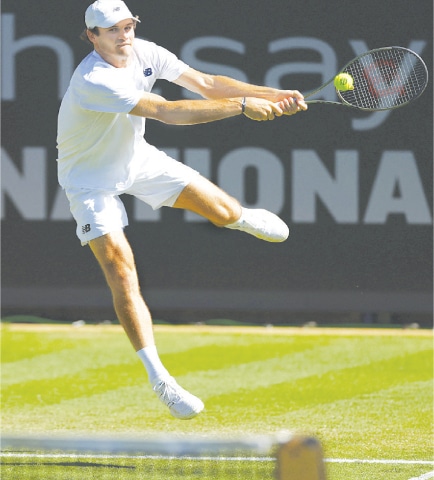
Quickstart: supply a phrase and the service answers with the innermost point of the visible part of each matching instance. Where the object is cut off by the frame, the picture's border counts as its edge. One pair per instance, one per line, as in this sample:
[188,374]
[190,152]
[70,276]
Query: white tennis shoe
[181,403]
[261,224]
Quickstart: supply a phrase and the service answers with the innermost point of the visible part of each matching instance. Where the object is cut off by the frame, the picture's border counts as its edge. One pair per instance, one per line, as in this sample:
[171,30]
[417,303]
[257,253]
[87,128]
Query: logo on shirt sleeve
[147,72]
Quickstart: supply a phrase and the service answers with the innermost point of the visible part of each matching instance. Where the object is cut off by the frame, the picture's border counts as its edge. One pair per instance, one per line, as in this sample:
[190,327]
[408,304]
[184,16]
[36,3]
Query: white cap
[106,13]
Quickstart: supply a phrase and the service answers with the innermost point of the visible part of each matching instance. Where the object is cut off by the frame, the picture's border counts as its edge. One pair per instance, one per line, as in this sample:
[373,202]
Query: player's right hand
[292,105]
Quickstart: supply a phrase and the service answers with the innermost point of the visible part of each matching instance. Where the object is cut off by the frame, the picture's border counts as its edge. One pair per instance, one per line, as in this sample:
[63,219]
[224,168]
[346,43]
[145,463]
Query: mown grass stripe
[340,353]
[90,375]
[341,382]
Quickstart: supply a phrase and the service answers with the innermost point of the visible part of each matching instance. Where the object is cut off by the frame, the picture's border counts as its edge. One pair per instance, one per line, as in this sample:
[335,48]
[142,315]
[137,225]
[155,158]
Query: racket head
[384,79]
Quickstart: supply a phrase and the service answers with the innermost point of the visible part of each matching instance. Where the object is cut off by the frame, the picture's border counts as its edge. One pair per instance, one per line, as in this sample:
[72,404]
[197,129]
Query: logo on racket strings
[386,80]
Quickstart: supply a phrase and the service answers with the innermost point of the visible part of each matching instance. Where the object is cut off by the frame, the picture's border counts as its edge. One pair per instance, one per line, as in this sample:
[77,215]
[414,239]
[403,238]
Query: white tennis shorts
[98,212]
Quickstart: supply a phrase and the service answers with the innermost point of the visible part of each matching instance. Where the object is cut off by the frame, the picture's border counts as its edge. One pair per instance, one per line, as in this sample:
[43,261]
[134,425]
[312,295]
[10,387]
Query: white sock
[151,361]
[239,222]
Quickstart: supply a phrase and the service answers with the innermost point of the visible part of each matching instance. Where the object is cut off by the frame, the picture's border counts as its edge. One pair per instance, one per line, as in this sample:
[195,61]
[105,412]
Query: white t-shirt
[100,145]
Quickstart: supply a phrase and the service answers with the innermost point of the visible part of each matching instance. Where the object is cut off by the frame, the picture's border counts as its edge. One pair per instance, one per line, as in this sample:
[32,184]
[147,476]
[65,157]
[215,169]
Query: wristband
[243,105]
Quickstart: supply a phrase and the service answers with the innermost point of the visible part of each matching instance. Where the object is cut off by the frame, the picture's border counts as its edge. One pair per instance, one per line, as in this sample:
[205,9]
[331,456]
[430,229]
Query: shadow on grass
[69,464]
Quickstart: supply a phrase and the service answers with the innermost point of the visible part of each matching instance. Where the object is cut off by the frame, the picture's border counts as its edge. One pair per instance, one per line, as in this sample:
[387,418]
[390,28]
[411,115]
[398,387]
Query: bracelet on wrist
[243,105]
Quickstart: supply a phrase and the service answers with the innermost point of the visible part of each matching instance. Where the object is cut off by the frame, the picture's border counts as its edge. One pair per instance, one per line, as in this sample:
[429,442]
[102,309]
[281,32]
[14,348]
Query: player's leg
[100,219]
[206,199]
[116,259]
[167,182]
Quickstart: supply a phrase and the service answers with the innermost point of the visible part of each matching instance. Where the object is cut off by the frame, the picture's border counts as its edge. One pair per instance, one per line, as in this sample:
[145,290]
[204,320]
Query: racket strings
[385,79]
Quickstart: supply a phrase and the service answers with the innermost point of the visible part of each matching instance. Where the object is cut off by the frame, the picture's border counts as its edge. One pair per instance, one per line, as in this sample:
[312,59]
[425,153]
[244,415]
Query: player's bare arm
[191,112]
[218,86]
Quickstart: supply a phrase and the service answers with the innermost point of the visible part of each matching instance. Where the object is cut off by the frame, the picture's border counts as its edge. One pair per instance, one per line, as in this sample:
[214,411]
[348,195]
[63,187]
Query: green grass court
[367,395]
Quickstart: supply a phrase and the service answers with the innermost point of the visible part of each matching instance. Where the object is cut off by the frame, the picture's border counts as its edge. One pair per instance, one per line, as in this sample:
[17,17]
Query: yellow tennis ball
[344,82]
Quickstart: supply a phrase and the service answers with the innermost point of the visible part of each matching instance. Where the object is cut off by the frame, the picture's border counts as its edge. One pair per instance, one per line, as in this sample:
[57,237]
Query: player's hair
[85,38]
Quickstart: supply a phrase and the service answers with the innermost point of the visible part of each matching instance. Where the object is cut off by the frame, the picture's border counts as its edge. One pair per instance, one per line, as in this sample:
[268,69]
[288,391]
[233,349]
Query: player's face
[115,43]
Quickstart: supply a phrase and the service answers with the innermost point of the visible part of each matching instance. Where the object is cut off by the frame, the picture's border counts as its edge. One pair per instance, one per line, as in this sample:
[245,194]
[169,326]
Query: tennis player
[102,154]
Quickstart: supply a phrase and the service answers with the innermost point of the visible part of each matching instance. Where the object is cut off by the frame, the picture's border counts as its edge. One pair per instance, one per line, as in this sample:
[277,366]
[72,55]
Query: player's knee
[123,280]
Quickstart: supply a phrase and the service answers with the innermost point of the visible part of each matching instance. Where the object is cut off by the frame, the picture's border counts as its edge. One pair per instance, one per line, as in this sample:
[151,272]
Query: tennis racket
[384,79]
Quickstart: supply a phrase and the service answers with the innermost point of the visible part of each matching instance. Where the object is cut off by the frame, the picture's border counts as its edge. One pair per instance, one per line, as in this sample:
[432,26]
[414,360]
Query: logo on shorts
[147,72]
[85,228]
